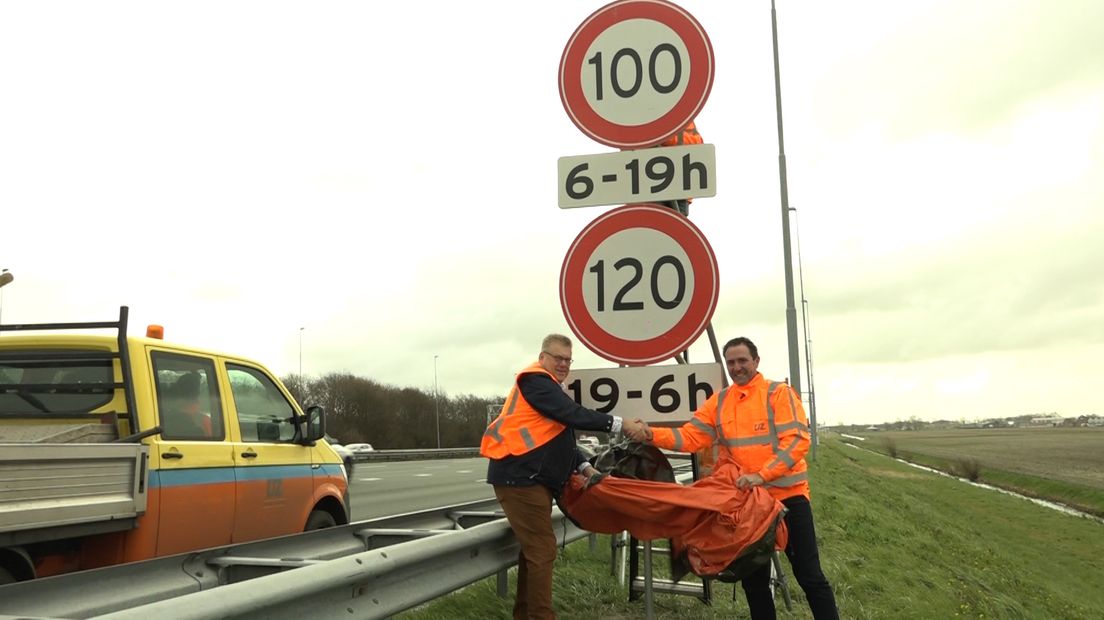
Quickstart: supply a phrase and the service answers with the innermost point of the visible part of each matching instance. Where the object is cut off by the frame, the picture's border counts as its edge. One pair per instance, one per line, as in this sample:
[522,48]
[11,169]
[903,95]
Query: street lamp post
[808,341]
[436,407]
[5,278]
[791,311]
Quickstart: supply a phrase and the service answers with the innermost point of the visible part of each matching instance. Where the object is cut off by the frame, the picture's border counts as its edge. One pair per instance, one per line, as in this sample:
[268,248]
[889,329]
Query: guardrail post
[503,584]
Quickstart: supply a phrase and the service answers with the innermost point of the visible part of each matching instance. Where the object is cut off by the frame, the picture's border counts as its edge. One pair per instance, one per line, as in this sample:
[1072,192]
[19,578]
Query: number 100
[638,74]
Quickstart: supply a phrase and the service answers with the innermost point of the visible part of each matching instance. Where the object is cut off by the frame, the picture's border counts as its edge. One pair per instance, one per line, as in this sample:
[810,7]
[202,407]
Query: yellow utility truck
[116,448]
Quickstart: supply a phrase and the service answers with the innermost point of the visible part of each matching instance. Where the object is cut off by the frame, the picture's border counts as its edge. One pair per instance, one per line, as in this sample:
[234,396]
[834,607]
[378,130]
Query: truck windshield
[52,381]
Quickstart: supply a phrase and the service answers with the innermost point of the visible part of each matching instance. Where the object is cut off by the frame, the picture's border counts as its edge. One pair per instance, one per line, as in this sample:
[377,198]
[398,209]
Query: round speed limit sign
[639,284]
[635,72]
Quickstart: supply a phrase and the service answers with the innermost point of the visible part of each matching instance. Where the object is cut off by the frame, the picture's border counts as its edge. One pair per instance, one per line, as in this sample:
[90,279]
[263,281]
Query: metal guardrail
[454,453]
[416,455]
[369,569]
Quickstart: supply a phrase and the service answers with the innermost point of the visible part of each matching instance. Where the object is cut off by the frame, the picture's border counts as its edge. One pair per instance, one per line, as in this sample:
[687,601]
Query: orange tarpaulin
[711,521]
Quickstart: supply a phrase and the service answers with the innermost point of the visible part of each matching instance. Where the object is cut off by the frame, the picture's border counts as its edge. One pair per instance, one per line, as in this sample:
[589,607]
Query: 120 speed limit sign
[639,284]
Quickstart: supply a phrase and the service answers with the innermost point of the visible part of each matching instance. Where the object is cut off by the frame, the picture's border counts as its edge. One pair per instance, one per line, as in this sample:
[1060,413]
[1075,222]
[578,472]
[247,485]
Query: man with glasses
[532,453]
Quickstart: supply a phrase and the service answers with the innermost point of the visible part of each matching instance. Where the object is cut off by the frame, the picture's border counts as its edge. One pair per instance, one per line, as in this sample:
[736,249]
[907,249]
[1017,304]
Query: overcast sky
[383,175]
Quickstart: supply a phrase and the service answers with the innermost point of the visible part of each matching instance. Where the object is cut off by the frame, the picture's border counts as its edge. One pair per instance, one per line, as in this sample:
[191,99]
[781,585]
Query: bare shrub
[968,467]
[890,445]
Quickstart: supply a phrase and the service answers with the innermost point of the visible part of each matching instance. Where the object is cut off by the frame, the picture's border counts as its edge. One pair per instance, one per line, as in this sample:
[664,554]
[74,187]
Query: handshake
[637,430]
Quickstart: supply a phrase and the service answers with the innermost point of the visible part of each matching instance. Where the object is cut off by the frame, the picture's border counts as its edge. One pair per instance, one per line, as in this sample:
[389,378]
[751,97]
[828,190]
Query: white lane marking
[422,475]
[464,471]
[369,479]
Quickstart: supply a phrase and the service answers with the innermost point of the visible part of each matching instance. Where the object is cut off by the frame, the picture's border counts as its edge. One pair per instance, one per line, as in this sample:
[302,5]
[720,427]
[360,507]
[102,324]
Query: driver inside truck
[183,416]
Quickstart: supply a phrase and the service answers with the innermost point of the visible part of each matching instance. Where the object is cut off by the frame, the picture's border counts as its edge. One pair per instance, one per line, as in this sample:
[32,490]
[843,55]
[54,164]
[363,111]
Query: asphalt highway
[395,487]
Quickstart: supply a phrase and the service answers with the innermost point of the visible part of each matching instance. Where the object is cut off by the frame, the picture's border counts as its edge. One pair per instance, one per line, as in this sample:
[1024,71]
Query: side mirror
[316,424]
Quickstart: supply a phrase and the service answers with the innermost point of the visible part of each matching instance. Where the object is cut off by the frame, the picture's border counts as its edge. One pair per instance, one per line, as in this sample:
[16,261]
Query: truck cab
[224,453]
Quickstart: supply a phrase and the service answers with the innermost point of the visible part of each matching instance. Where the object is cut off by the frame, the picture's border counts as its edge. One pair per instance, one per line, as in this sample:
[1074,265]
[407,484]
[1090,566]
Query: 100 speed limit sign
[636,72]
[639,284]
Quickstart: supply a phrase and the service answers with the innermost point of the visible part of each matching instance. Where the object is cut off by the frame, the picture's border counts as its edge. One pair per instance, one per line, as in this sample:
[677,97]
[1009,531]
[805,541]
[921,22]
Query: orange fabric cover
[711,520]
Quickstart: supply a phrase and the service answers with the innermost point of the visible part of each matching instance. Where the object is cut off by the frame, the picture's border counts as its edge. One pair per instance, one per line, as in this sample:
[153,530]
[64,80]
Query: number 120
[619,301]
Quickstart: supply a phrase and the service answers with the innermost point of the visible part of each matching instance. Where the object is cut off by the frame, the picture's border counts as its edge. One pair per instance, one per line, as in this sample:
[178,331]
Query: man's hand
[593,477]
[749,480]
[637,430]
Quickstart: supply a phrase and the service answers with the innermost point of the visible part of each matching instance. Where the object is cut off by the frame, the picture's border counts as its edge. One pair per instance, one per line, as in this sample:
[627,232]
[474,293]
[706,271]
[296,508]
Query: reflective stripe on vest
[511,404]
[788,481]
[720,408]
[746,441]
[527,438]
[770,416]
[703,427]
[786,455]
[678,439]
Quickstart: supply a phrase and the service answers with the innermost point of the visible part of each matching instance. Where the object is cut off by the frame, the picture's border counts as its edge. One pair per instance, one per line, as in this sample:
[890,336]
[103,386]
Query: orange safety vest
[688,135]
[519,427]
[759,426]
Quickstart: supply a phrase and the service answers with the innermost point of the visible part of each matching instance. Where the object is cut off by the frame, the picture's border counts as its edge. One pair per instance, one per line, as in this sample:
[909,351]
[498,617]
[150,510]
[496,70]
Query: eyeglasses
[558,358]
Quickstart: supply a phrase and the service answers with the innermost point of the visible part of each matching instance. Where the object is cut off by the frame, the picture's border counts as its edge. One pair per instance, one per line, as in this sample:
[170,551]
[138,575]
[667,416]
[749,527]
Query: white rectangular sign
[644,175]
[669,393]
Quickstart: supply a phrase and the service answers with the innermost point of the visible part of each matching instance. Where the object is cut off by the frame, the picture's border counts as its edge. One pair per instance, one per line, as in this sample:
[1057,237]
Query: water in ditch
[1041,502]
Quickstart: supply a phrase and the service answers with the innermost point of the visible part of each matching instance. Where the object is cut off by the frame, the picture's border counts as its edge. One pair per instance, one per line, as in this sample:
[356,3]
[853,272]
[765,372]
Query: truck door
[275,490]
[193,474]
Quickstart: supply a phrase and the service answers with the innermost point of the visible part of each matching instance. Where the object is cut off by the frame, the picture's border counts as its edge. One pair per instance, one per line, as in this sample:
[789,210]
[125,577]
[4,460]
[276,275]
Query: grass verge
[1080,497]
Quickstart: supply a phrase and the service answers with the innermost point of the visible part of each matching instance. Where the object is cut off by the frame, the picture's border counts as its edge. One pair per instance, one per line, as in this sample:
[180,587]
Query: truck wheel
[319,519]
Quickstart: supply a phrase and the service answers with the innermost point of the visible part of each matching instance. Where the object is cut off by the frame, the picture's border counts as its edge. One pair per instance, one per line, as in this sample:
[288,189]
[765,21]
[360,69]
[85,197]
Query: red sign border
[685,110]
[678,338]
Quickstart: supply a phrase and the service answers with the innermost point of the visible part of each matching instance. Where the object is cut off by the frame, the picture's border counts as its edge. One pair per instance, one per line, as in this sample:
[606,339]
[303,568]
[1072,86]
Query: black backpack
[634,460]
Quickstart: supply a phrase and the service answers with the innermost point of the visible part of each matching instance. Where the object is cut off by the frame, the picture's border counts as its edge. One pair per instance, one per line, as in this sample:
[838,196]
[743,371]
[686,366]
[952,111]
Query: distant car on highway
[345,453]
[360,448]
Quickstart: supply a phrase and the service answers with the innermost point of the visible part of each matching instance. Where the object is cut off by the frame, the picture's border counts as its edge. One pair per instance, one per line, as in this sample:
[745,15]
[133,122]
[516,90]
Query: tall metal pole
[791,311]
[436,407]
[808,338]
[5,277]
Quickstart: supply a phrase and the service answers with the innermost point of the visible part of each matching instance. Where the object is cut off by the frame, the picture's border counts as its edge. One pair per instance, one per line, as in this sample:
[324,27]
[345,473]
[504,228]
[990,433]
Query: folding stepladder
[641,579]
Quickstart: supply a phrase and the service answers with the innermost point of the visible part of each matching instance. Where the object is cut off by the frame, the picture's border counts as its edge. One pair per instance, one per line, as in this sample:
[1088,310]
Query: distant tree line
[360,410]
[1033,420]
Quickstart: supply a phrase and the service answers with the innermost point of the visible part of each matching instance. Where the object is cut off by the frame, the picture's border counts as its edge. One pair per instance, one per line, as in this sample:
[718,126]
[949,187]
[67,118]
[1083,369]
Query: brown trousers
[529,512]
